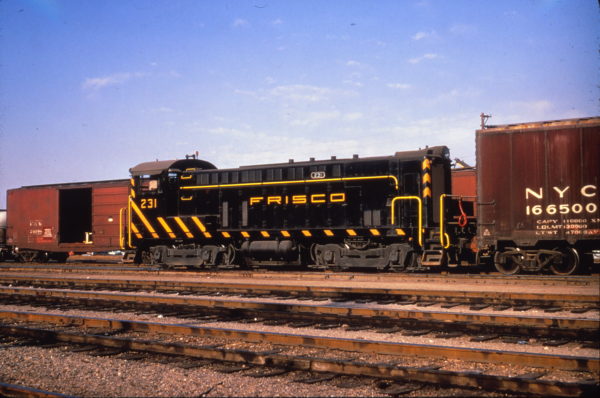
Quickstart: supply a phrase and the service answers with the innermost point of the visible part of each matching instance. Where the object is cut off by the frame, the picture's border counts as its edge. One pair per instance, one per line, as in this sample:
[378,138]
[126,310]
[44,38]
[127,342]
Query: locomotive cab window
[148,184]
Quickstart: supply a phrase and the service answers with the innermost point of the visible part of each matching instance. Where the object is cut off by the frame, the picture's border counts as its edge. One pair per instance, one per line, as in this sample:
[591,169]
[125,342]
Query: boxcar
[49,221]
[538,194]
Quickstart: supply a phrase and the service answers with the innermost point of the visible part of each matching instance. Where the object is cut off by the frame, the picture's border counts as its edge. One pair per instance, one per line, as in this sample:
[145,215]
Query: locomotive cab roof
[178,165]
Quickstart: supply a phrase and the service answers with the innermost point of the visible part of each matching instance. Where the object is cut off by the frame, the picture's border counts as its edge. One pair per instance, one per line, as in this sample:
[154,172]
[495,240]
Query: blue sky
[89,88]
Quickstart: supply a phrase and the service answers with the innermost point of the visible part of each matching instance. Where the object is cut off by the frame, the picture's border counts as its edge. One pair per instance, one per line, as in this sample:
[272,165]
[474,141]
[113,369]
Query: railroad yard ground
[113,330]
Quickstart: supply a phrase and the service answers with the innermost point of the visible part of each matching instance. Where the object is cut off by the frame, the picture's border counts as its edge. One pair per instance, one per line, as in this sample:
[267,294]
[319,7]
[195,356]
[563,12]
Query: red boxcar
[538,194]
[49,221]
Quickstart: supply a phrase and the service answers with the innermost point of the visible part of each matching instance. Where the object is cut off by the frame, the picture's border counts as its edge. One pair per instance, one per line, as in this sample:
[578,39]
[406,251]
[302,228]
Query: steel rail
[13,390]
[340,367]
[334,309]
[580,363]
[492,297]
[480,278]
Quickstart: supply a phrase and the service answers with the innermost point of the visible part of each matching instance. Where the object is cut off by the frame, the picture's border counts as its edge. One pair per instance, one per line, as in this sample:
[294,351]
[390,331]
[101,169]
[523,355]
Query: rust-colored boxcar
[538,193]
[464,182]
[49,221]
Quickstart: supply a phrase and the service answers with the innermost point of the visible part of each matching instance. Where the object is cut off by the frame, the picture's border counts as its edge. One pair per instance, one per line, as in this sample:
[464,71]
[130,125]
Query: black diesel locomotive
[392,213]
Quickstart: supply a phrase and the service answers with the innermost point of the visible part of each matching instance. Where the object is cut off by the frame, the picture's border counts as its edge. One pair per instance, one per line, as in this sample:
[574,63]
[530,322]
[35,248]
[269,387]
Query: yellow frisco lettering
[317,198]
[299,199]
[337,197]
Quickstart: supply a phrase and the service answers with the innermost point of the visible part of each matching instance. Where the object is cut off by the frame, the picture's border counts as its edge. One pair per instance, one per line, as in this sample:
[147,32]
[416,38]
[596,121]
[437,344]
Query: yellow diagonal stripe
[199,224]
[184,227]
[144,219]
[166,227]
[426,178]
[427,192]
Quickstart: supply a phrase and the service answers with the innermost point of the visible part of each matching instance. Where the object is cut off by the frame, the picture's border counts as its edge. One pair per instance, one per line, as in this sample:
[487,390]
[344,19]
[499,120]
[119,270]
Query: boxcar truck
[538,196]
[50,221]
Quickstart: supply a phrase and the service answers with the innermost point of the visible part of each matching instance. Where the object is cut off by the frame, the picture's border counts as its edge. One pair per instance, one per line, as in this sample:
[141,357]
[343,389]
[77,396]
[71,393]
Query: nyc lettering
[587,191]
[299,199]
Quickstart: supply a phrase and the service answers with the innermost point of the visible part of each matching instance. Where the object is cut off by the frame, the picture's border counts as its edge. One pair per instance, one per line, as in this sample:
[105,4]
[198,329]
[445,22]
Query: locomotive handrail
[420,212]
[444,237]
[121,227]
[261,183]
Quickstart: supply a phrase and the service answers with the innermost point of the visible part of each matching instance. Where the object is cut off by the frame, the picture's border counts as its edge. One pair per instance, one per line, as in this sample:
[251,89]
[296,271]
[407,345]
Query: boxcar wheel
[567,263]
[508,264]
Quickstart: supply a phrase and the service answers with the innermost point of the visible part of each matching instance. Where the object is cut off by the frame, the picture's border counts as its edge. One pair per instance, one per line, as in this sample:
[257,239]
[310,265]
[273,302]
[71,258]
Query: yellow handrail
[121,235]
[444,237]
[420,211]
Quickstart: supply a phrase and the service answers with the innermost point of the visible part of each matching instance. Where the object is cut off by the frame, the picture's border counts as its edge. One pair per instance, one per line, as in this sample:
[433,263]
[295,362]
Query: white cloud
[97,83]
[303,93]
[353,63]
[424,35]
[278,21]
[399,86]
[427,56]
[239,22]
[353,83]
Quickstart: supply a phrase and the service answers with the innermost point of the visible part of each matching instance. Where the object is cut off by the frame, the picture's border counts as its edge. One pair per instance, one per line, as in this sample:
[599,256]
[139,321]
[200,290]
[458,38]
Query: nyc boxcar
[49,221]
[538,194]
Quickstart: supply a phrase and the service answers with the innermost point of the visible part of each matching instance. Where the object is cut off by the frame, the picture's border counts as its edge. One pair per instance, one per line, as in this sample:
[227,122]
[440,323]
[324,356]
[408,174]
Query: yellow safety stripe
[226,234]
[265,234]
[184,227]
[285,234]
[199,224]
[245,234]
[201,227]
[306,233]
[328,232]
[166,227]
[136,231]
[254,184]
[144,219]
[374,232]
[351,232]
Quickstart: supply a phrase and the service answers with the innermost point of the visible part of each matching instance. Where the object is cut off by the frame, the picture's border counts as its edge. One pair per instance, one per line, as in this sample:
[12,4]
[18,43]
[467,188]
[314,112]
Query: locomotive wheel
[229,256]
[511,264]
[568,263]
[147,257]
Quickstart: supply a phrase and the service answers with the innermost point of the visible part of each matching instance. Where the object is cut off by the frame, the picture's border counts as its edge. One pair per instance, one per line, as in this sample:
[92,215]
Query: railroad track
[441,277]
[392,370]
[543,298]
[415,321]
